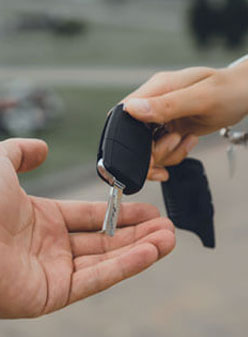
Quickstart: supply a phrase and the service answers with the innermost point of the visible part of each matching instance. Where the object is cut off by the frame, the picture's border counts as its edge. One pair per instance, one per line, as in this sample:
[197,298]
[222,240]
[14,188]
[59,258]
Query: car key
[123,160]
[116,191]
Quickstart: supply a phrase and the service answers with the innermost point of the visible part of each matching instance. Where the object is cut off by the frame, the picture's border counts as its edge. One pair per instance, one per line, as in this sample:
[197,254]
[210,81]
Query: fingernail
[191,143]
[138,104]
[173,143]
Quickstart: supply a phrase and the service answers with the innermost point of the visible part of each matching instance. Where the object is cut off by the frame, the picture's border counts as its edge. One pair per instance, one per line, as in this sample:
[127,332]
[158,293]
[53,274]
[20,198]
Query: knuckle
[208,71]
[203,72]
[219,78]
[166,242]
[206,99]
[215,86]
[160,75]
[168,224]
[178,159]
[155,211]
[162,109]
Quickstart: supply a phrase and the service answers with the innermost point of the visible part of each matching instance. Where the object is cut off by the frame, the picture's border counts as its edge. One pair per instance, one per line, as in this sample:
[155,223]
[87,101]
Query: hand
[51,252]
[194,101]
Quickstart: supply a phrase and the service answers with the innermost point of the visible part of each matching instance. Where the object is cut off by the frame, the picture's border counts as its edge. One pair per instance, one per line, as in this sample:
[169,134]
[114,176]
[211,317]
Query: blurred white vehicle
[33,108]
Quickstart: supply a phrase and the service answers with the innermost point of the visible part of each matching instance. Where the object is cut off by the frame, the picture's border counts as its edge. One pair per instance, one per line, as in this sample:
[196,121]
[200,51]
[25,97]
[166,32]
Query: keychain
[235,138]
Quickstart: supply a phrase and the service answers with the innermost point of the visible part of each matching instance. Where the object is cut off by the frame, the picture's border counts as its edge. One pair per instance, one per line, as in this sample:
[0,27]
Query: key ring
[234,137]
[158,130]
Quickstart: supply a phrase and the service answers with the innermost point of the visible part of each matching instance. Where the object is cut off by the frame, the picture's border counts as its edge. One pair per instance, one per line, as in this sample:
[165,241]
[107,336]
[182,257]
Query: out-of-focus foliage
[39,22]
[228,20]
[121,33]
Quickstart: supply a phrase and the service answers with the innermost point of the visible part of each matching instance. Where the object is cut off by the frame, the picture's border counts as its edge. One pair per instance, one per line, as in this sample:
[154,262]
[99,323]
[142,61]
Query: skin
[191,102]
[52,253]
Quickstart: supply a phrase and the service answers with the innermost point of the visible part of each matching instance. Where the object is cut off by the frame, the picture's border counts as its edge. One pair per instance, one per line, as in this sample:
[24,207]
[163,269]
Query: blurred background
[63,65]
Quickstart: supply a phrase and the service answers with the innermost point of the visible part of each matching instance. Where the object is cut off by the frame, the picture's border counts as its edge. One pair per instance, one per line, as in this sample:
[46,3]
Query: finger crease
[104,245]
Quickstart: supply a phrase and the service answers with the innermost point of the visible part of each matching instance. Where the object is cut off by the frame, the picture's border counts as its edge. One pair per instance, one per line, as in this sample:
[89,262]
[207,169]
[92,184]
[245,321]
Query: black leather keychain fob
[188,200]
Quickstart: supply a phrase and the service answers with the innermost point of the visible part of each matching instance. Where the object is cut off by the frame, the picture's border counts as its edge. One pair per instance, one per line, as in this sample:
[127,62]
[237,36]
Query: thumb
[24,154]
[191,101]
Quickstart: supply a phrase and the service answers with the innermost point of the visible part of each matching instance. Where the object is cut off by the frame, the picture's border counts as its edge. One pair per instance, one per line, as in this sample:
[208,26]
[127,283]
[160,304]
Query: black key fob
[124,151]
[188,200]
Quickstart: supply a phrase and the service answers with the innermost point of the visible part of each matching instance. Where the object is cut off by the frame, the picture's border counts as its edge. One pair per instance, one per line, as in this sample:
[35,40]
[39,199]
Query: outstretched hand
[52,253]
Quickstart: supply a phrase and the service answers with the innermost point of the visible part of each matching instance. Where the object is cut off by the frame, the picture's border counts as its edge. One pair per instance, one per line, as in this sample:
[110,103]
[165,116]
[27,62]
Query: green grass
[75,140]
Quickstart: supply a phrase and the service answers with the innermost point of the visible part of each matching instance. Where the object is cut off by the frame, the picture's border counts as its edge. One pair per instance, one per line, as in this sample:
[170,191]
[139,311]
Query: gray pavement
[83,76]
[193,292]
[89,76]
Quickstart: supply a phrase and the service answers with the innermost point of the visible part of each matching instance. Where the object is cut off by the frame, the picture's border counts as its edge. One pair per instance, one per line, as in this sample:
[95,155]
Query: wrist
[238,62]
[237,76]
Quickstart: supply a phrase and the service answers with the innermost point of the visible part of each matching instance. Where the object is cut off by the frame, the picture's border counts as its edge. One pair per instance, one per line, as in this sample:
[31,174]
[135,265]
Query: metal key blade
[111,217]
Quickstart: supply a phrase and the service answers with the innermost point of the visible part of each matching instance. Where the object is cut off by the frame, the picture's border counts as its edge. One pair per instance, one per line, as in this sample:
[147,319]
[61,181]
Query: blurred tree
[228,21]
[69,27]
[235,17]
[117,2]
[63,26]
[201,21]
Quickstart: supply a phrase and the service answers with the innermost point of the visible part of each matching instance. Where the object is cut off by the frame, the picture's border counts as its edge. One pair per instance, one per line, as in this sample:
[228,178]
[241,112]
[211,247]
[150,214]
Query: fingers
[158,174]
[165,146]
[167,151]
[194,100]
[98,243]
[94,279]
[165,242]
[24,154]
[165,82]
[155,173]
[87,216]
[103,275]
[181,152]
[163,158]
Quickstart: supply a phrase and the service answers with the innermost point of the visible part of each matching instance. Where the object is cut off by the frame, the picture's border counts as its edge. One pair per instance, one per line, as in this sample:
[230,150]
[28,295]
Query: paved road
[83,76]
[96,76]
[194,292]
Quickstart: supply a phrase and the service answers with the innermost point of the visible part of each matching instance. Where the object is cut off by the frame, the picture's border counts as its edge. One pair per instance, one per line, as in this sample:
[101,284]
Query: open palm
[52,253]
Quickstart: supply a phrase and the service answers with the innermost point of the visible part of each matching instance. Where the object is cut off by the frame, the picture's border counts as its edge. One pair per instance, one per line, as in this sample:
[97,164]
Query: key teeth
[111,216]
[111,233]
